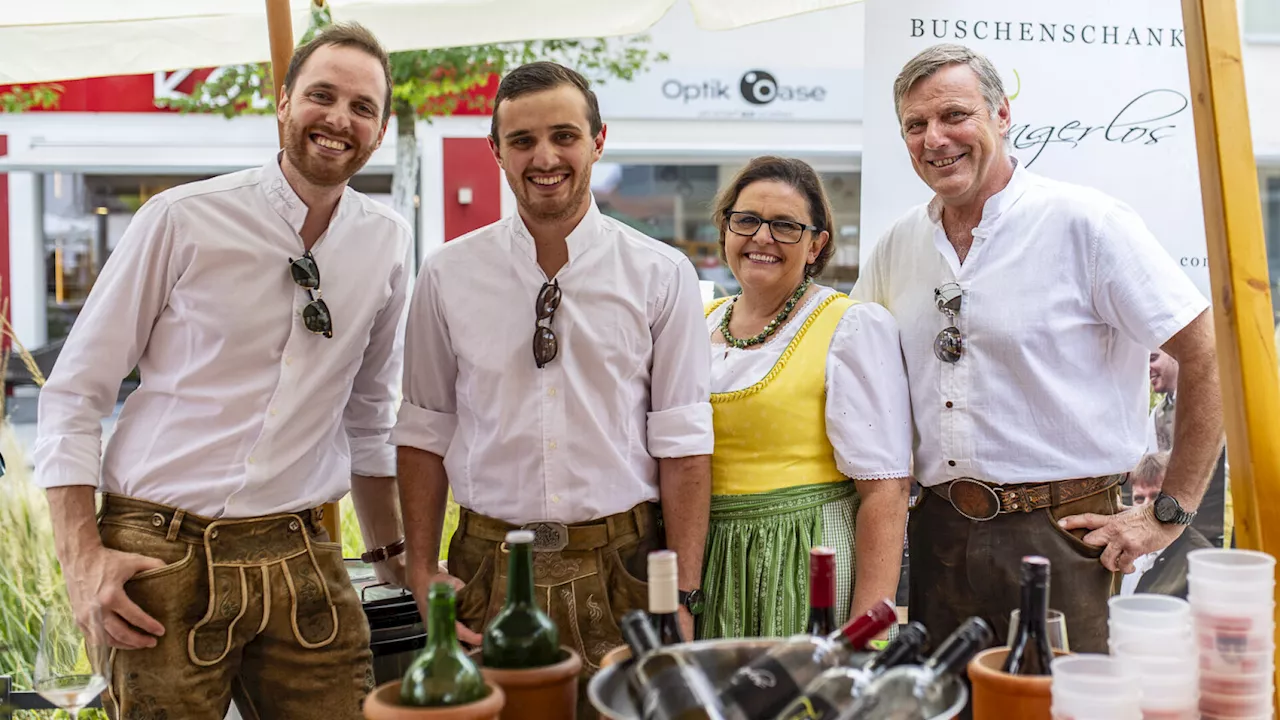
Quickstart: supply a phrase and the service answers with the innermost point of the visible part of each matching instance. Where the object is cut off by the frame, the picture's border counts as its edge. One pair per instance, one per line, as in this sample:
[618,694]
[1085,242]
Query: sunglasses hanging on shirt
[949,344]
[315,316]
[545,344]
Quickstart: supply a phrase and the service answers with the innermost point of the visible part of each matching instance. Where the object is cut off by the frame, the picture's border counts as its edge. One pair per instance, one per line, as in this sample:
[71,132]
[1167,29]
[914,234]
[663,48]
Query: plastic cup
[1230,706]
[1236,683]
[1087,706]
[1099,675]
[1179,713]
[1149,610]
[1149,660]
[1248,593]
[1152,640]
[1168,693]
[1214,564]
[1237,663]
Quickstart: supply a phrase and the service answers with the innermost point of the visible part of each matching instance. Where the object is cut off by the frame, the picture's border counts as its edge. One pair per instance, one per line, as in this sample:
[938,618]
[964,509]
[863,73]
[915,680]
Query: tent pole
[1243,316]
[280,30]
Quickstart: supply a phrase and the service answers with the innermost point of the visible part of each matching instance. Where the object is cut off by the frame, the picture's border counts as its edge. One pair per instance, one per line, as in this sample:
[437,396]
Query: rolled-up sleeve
[370,412]
[428,413]
[868,404]
[108,339]
[679,420]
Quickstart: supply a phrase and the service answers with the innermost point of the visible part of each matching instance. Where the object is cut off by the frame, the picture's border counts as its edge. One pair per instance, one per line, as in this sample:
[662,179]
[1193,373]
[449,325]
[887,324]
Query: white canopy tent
[68,39]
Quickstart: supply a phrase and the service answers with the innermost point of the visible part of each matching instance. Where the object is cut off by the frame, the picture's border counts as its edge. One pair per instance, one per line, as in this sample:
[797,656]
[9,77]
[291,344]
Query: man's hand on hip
[421,586]
[95,586]
[1126,536]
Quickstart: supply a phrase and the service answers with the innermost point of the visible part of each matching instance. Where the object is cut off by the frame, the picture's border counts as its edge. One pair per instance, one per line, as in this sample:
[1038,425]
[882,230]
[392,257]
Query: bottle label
[810,708]
[762,688]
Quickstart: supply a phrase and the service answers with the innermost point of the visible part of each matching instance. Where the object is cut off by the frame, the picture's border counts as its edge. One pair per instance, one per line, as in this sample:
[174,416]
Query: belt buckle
[548,536]
[972,490]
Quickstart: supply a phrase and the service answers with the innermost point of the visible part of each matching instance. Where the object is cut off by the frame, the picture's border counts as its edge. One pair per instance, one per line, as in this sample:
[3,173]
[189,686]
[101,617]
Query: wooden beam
[280,30]
[1237,270]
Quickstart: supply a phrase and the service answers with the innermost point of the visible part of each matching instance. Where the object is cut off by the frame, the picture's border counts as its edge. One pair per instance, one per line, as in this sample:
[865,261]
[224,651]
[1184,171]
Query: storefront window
[86,215]
[673,203]
[1262,20]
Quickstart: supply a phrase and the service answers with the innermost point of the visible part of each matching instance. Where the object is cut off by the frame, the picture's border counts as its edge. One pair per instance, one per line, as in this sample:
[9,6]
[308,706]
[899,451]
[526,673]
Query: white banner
[756,92]
[1099,96]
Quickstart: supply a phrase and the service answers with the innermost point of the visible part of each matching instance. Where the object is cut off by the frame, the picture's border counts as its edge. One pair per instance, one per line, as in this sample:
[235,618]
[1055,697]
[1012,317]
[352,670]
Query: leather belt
[979,500]
[555,537]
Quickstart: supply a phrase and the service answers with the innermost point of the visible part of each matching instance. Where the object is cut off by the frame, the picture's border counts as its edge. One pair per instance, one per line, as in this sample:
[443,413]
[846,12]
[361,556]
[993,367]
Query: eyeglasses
[315,316]
[545,345]
[782,231]
[949,345]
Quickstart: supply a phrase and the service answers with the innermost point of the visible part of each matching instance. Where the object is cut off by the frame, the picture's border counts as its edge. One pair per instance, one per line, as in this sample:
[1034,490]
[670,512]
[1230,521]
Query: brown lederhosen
[961,566]
[586,575]
[259,609]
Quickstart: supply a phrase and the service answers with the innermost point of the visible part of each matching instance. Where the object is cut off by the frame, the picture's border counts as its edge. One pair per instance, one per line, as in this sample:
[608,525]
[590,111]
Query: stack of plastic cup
[1094,687]
[1232,594]
[1151,637]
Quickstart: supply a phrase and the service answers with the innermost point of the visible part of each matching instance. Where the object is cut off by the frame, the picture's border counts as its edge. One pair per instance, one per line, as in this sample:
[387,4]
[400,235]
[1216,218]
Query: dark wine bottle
[766,685]
[822,591]
[665,684]
[442,674]
[1030,653]
[664,597]
[838,688]
[521,635]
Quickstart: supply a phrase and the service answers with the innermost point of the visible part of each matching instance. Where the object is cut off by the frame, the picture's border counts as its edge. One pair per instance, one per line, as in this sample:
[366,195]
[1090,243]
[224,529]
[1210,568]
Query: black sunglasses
[949,344]
[545,345]
[315,316]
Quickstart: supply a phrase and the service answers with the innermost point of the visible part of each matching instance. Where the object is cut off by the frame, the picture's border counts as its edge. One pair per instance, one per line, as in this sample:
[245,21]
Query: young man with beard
[263,309]
[556,378]
[1026,308]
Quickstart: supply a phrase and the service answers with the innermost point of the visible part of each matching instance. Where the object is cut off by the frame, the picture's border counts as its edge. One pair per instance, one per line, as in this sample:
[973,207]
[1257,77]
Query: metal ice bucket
[719,659]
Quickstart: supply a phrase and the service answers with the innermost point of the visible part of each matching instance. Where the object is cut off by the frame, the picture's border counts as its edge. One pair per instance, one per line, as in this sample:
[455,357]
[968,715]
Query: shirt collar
[582,237]
[282,198]
[996,204]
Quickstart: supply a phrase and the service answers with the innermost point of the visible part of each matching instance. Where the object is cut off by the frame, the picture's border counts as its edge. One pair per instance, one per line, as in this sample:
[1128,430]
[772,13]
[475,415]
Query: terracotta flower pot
[620,654]
[997,695]
[544,693]
[384,704]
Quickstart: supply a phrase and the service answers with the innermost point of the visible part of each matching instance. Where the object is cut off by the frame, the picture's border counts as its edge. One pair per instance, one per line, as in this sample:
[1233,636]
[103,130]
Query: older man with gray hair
[1026,308]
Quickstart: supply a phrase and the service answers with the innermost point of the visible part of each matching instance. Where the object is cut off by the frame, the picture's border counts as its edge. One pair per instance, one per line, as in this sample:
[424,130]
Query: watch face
[1166,508]
[694,602]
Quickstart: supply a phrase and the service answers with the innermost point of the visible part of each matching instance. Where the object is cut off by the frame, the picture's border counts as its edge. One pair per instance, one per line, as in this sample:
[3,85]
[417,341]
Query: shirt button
[551,392]
[251,460]
[551,445]
[948,403]
[555,498]
[275,412]
[288,359]
[952,463]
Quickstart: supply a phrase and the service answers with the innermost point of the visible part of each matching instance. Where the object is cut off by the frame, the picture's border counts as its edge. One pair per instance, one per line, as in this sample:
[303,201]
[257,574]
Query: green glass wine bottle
[521,635]
[442,674]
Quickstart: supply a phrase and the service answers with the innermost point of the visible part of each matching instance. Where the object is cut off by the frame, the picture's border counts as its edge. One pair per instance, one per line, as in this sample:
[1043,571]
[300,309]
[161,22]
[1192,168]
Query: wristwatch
[693,601]
[1169,511]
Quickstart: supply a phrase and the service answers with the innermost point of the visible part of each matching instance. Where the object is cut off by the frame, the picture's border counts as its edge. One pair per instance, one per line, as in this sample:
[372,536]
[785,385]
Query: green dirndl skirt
[756,568]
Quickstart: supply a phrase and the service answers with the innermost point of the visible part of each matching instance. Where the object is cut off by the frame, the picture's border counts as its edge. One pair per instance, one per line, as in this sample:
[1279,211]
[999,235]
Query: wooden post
[1237,270]
[280,30]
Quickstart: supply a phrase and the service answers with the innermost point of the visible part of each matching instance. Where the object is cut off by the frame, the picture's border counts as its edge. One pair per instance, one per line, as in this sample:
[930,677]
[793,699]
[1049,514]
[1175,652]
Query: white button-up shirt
[1065,293]
[577,439]
[242,411]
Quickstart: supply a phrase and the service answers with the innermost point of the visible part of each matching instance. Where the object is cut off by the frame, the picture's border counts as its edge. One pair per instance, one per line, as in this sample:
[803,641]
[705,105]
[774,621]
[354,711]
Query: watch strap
[385,552]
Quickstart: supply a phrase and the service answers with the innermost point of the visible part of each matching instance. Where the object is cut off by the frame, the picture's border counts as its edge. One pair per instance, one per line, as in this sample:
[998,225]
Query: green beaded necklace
[769,329]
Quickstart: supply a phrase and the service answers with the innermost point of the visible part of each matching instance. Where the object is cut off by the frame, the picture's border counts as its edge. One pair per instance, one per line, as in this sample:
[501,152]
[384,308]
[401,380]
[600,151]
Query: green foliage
[43,97]
[29,572]
[429,82]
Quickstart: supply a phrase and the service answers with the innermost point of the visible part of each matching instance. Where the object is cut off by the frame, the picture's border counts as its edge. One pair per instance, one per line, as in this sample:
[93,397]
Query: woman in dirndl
[812,417]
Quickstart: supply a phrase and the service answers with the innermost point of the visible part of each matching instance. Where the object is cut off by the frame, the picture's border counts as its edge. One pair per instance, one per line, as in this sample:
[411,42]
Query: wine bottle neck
[520,574]
[441,624]
[1035,607]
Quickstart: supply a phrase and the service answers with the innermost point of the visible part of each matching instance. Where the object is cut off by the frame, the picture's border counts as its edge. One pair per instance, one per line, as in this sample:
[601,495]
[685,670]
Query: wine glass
[1057,629]
[72,665]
